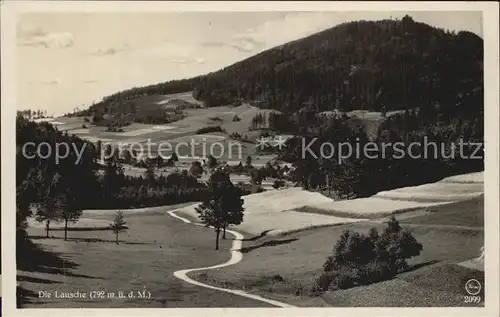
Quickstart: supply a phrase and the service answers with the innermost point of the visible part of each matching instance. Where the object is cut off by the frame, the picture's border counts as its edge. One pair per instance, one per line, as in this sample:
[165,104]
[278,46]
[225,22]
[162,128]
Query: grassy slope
[273,211]
[154,247]
[183,131]
[298,259]
[437,285]
[462,213]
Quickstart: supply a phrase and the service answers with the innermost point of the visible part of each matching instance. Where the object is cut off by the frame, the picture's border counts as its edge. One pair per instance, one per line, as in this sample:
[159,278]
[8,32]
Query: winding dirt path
[236,256]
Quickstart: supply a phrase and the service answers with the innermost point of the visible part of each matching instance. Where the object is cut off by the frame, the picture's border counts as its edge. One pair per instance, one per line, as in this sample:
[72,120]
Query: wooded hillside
[371,65]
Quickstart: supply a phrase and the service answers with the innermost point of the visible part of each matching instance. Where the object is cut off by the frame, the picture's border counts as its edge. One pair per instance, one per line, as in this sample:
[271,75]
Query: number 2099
[472,299]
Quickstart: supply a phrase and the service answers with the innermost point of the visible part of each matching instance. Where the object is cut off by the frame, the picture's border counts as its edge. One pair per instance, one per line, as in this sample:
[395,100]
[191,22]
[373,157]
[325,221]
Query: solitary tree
[232,206]
[196,169]
[383,112]
[249,161]
[257,176]
[71,211]
[50,200]
[223,206]
[118,225]
[211,214]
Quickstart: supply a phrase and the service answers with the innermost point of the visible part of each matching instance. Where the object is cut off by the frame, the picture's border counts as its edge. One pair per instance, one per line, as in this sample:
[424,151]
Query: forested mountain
[372,65]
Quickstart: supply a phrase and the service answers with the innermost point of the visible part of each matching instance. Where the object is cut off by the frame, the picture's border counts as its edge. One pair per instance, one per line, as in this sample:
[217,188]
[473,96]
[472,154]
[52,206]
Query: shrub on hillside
[257,175]
[360,259]
[113,129]
[236,135]
[209,129]
[278,183]
[236,118]
[216,118]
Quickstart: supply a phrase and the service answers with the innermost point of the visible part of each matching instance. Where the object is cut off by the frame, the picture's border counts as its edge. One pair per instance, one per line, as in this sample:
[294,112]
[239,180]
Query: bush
[277,278]
[209,129]
[219,119]
[345,278]
[278,183]
[84,126]
[322,283]
[373,272]
[257,175]
[113,129]
[359,259]
[236,118]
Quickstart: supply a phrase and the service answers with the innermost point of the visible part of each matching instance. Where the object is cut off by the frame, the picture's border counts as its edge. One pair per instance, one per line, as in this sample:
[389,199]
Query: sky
[69,60]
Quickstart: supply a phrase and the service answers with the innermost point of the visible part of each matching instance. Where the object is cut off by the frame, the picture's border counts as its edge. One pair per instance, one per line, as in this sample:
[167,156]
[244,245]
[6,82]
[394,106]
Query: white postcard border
[9,13]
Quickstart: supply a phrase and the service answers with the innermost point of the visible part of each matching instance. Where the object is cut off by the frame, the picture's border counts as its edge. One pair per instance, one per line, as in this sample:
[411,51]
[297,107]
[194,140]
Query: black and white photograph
[250,159]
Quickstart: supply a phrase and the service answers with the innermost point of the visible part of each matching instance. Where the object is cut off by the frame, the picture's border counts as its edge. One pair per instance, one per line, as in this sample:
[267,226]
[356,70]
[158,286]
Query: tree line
[360,175]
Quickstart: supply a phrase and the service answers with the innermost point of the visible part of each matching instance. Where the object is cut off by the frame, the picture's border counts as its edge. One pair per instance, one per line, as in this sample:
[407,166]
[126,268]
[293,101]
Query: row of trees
[361,174]
[33,114]
[122,191]
[53,190]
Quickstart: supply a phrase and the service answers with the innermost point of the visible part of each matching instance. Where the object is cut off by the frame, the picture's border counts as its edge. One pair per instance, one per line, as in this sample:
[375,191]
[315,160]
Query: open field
[272,266]
[180,134]
[445,190]
[365,114]
[465,178]
[272,212]
[448,190]
[186,96]
[464,213]
[369,120]
[153,248]
[292,209]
